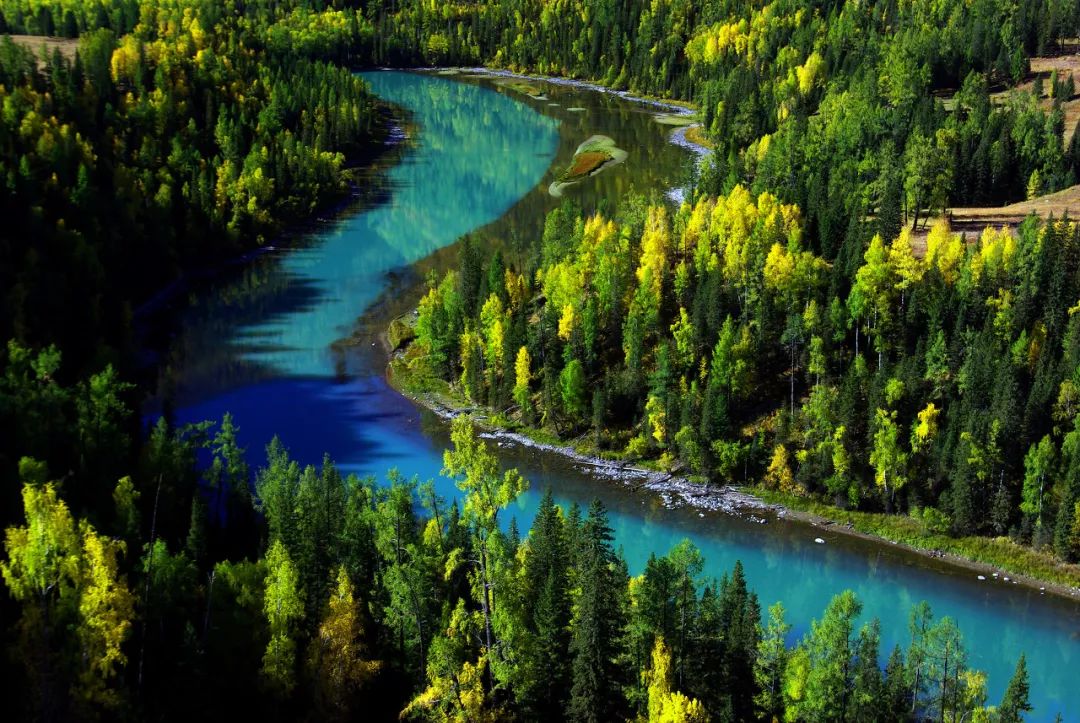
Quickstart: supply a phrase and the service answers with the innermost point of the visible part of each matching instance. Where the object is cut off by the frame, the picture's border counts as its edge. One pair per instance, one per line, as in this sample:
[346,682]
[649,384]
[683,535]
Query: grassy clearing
[998,552]
[697,136]
[679,120]
[66,46]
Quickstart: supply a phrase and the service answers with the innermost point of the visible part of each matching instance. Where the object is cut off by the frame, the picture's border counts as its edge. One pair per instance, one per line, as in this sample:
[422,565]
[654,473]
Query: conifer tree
[547,597]
[598,624]
[1016,701]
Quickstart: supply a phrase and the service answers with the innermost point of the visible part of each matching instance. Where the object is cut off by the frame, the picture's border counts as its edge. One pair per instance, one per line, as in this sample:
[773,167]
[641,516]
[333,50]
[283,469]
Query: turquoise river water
[262,345]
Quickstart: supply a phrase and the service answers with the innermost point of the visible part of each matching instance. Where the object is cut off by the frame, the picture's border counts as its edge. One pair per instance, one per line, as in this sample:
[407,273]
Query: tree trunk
[486,604]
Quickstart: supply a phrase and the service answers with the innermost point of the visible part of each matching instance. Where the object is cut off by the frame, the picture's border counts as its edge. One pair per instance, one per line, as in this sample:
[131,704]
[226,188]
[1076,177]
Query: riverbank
[673,490]
[691,137]
[990,560]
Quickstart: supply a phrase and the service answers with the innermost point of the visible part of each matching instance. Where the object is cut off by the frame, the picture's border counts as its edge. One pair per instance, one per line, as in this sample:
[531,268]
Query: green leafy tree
[522,382]
[572,390]
[68,578]
[825,680]
[888,456]
[283,605]
[770,664]
[476,472]
[1037,465]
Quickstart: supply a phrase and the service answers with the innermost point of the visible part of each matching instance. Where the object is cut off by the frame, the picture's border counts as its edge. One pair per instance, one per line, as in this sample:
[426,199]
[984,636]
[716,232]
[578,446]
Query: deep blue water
[477,152]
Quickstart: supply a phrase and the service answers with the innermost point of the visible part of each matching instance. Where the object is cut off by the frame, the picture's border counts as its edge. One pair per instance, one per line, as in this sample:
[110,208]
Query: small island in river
[591,157]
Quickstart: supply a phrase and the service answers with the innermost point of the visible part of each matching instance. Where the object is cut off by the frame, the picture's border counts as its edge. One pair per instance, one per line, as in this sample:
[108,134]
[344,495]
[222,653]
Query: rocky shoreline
[673,490]
[676,491]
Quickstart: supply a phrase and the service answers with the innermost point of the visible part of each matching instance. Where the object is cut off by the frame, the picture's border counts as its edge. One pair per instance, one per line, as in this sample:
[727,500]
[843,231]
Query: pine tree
[598,622]
[1016,701]
[867,702]
[896,694]
[740,617]
[769,665]
[547,596]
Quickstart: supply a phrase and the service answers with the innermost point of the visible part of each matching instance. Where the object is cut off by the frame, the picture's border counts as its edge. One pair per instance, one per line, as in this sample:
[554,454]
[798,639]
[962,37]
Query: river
[263,345]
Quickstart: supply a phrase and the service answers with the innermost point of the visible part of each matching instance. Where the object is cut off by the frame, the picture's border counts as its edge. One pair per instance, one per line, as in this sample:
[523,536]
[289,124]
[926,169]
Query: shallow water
[259,345]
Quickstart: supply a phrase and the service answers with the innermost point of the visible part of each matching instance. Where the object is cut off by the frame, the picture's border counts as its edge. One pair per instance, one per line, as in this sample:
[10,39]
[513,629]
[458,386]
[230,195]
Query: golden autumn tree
[667,705]
[336,656]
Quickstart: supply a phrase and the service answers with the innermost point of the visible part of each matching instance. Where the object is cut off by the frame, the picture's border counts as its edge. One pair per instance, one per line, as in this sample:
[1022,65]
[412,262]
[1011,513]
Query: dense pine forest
[806,322]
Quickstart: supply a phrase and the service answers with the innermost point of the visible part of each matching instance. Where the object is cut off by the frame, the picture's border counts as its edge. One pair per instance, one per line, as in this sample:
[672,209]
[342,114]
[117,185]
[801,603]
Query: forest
[192,127]
[806,322]
[810,323]
[320,597]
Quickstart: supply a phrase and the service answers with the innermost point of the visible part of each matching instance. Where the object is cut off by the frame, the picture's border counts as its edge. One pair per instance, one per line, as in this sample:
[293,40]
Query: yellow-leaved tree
[336,657]
[667,705]
[67,577]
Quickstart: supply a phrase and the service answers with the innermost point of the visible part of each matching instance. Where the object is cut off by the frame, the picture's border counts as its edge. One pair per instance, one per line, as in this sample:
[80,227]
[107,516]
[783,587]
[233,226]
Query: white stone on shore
[982,577]
[819,541]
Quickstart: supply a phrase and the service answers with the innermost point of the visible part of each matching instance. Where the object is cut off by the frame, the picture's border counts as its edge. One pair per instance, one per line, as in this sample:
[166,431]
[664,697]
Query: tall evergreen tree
[1016,700]
[547,597]
[595,694]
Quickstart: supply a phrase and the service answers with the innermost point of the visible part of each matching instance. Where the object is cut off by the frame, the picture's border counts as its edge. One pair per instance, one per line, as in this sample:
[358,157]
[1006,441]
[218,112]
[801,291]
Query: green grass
[400,333]
[697,135]
[998,552]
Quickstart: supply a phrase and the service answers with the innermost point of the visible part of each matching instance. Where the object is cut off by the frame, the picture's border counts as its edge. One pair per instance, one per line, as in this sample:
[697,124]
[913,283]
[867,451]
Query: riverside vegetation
[803,325]
[321,596]
[784,322]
